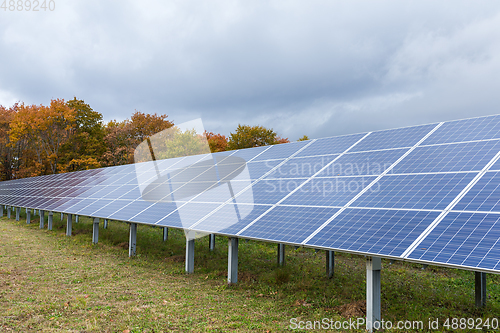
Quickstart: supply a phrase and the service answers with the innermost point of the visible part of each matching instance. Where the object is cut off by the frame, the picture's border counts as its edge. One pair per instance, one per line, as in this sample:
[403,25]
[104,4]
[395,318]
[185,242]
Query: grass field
[52,283]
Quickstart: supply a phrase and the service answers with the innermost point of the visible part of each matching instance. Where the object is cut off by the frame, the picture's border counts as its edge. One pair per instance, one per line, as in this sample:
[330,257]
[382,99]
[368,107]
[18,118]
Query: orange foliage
[217,142]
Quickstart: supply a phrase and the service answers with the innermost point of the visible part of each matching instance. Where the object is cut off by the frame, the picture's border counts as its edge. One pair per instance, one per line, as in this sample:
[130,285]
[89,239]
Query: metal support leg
[480,289]
[330,263]
[132,240]
[42,219]
[1,210]
[165,234]
[76,218]
[28,216]
[18,212]
[95,231]
[8,212]
[189,255]
[281,254]
[49,221]
[105,223]
[69,224]
[232,261]
[211,242]
[373,267]
[62,216]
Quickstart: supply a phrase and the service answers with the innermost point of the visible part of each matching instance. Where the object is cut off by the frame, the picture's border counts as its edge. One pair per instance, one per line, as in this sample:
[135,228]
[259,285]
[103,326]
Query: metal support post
[189,255]
[69,224]
[28,216]
[480,289]
[281,254]
[330,263]
[49,221]
[18,212]
[165,234]
[1,210]
[373,267]
[95,231]
[62,216]
[76,218]
[8,212]
[132,240]
[232,261]
[42,219]
[211,242]
[105,223]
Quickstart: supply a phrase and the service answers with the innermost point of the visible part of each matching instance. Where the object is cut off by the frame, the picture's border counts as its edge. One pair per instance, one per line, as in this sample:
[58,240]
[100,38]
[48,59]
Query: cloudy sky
[320,68]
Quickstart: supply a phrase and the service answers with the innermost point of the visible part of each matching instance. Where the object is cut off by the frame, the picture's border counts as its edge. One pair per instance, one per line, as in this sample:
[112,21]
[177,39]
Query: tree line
[68,136]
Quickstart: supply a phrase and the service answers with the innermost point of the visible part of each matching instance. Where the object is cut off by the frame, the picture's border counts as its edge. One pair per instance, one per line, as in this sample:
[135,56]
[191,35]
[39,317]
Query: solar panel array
[425,193]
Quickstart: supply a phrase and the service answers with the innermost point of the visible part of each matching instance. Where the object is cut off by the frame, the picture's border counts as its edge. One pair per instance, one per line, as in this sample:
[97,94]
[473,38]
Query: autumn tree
[304,138]
[85,146]
[217,142]
[123,137]
[253,136]
[46,128]
[6,149]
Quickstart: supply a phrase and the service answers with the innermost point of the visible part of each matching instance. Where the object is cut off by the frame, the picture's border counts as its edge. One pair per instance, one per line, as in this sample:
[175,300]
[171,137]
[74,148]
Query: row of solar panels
[299,193]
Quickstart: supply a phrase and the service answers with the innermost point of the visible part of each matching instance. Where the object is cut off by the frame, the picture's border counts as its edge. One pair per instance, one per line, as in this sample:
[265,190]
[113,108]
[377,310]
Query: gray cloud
[320,68]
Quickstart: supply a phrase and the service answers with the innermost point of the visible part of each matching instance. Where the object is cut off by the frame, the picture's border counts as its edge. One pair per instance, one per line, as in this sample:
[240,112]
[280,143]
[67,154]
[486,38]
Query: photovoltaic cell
[328,146]
[301,167]
[483,196]
[466,130]
[331,191]
[281,151]
[269,191]
[367,163]
[463,239]
[377,231]
[289,224]
[394,138]
[471,156]
[428,191]
[231,218]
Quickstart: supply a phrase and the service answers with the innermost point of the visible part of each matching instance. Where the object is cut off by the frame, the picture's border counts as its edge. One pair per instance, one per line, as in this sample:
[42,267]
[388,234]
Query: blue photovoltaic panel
[268,191]
[472,156]
[466,130]
[358,164]
[301,167]
[259,169]
[483,196]
[111,208]
[68,203]
[394,138]
[332,191]
[328,146]
[231,218]
[496,166]
[463,239]
[428,191]
[126,212]
[90,209]
[191,213]
[246,154]
[159,212]
[377,231]
[289,224]
[281,151]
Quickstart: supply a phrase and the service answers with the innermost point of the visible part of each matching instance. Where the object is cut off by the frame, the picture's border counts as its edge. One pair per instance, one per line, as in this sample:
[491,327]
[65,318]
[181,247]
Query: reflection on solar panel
[425,193]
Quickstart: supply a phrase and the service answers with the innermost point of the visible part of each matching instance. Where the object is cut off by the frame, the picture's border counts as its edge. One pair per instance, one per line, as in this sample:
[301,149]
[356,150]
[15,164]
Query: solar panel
[422,193]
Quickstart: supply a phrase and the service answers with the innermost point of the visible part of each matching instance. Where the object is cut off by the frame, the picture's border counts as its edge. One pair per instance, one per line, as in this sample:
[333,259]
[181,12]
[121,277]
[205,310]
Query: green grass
[50,282]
